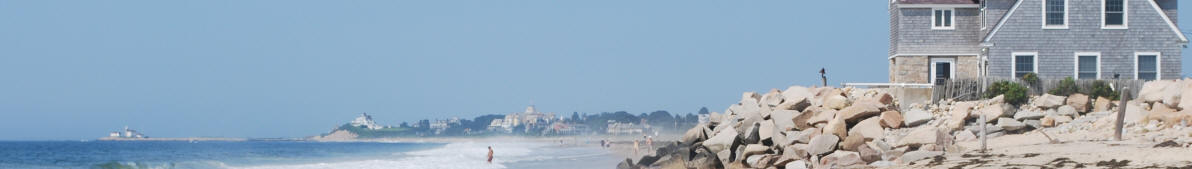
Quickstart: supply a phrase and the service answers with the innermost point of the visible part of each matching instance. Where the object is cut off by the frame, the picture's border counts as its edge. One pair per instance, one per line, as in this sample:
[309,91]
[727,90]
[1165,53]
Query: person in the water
[490,154]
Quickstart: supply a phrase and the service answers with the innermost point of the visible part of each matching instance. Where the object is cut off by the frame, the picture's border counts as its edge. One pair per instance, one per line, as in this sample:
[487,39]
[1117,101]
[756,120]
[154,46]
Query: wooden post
[1117,129]
[983,132]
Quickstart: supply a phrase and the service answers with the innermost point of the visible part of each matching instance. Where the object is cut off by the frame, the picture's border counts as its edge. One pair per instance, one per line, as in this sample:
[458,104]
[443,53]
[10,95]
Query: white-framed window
[1055,14]
[1115,14]
[1022,63]
[1087,65]
[1146,65]
[943,18]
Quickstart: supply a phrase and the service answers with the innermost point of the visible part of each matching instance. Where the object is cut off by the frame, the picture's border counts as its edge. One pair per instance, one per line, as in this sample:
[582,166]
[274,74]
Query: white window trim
[1014,65]
[1158,64]
[948,27]
[1063,26]
[951,66]
[1125,16]
[1076,63]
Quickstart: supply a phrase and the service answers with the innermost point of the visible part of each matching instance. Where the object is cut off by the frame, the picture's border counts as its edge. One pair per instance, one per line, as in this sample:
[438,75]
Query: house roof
[1175,29]
[938,1]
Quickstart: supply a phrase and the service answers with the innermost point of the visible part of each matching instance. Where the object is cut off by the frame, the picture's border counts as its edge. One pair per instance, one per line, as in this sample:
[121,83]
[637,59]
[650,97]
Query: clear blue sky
[291,68]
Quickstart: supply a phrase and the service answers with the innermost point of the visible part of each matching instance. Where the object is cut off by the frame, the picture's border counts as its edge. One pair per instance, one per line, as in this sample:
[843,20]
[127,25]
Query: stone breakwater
[824,127]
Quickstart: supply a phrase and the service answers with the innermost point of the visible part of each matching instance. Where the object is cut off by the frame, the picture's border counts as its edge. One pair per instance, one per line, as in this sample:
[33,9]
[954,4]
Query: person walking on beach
[490,154]
[635,147]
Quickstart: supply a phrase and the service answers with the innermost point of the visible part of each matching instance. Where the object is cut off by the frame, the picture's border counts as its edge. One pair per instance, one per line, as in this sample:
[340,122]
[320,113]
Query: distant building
[365,121]
[531,118]
[625,128]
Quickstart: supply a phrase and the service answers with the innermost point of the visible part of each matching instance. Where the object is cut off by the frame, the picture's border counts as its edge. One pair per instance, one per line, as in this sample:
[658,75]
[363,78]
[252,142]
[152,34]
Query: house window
[1088,65]
[1147,65]
[1114,15]
[942,19]
[1023,63]
[1056,14]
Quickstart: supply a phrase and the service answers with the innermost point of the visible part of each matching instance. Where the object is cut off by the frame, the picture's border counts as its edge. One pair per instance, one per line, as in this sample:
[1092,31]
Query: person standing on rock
[490,154]
[649,144]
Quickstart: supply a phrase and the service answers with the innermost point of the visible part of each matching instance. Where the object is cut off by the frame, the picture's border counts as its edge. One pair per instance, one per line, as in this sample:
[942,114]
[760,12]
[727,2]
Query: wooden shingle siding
[915,36]
[1147,32]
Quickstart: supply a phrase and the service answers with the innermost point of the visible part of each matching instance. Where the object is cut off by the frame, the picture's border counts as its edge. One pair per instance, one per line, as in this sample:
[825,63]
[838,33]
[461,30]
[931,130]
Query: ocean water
[297,155]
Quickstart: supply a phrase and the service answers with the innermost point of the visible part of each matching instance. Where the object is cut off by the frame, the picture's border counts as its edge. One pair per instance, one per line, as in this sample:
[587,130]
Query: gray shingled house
[933,40]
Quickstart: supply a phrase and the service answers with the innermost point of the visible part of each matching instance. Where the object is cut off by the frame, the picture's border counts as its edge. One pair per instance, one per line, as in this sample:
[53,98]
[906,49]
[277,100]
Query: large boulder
[1066,110]
[766,131]
[840,159]
[796,105]
[1048,101]
[795,93]
[1102,104]
[800,164]
[784,119]
[993,111]
[803,120]
[835,102]
[891,119]
[1186,95]
[1135,111]
[754,149]
[837,127]
[919,136]
[695,134]
[1169,118]
[859,111]
[772,98]
[1010,124]
[822,117]
[1164,91]
[1078,101]
[1028,115]
[869,128]
[851,142]
[916,117]
[823,144]
[1048,121]
[868,153]
[721,141]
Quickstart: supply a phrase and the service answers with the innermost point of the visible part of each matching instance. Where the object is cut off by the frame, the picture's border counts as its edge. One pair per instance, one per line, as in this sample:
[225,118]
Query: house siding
[913,33]
[1147,32]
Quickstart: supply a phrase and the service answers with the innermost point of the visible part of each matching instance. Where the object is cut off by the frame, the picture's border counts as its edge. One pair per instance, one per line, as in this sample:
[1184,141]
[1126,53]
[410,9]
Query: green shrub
[1031,79]
[1065,88]
[1102,89]
[1014,93]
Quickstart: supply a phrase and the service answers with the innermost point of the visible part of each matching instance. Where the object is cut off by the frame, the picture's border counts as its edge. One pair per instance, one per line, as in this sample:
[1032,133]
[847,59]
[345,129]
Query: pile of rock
[828,127]
[811,127]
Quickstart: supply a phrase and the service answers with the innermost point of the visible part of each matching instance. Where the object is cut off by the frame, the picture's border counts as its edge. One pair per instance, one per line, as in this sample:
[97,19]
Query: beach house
[935,40]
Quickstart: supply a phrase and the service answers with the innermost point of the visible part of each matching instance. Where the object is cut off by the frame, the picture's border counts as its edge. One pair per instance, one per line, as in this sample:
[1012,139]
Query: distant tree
[574,116]
[660,118]
[404,125]
[482,122]
[703,110]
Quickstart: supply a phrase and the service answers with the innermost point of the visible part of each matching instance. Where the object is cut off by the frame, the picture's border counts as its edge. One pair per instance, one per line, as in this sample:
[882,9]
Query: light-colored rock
[1062,119]
[965,135]
[1033,123]
[797,93]
[841,159]
[918,155]
[806,135]
[754,149]
[851,143]
[1186,95]
[823,144]
[822,117]
[765,130]
[859,111]
[784,119]
[916,117]
[1048,121]
[1067,111]
[800,164]
[803,120]
[1048,101]
[958,114]
[796,105]
[891,119]
[919,136]
[1170,119]
[1028,115]
[695,134]
[790,153]
[836,102]
[868,128]
[721,141]
[1102,104]
[772,98]
[1162,91]
[992,112]
[1010,124]
[1161,108]
[1078,101]
[1135,111]
[837,127]
[755,161]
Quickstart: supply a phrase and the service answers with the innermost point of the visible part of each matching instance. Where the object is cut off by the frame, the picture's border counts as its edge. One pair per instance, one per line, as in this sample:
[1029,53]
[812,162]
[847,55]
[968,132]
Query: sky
[292,68]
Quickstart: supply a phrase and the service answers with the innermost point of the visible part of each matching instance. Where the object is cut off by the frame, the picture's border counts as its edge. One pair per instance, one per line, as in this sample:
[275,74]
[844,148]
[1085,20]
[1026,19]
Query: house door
[941,69]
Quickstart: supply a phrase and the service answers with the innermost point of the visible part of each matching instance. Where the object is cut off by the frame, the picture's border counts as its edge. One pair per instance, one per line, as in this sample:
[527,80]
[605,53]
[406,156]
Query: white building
[365,121]
[529,117]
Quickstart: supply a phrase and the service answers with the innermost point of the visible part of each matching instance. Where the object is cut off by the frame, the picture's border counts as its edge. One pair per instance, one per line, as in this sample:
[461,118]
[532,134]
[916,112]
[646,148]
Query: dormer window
[1055,14]
[942,18]
[1114,14]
